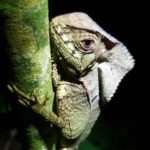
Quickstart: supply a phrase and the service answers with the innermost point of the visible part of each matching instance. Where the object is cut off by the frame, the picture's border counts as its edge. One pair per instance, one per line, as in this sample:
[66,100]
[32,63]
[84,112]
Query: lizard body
[85,55]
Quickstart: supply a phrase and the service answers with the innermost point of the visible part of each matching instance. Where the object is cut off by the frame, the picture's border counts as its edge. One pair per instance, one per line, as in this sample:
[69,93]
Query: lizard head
[78,42]
[82,43]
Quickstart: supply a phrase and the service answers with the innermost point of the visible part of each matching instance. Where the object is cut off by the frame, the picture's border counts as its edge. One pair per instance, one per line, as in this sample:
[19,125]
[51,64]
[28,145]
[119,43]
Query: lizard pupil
[87,44]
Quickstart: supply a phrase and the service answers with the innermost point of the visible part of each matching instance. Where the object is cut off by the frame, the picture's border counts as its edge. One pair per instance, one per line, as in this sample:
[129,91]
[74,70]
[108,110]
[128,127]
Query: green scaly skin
[73,60]
[88,65]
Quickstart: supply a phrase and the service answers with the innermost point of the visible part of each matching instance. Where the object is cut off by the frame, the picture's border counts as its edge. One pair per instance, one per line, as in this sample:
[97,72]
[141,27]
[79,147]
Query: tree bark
[27,46]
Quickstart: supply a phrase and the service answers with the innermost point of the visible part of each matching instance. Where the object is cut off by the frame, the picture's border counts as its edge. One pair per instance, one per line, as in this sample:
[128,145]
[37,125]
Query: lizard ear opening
[118,64]
[108,43]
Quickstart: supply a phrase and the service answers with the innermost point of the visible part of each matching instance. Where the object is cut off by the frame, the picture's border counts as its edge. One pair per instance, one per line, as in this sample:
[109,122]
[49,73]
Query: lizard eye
[87,45]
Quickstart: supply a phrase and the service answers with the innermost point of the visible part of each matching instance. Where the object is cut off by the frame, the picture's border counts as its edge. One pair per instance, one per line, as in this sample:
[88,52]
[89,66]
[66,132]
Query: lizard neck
[91,84]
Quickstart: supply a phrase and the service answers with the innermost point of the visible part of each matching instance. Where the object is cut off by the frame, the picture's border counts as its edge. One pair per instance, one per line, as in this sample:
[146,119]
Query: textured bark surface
[26,28]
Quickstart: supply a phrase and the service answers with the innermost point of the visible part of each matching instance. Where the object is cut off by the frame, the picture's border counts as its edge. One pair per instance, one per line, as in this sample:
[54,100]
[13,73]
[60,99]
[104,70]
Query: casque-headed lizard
[91,63]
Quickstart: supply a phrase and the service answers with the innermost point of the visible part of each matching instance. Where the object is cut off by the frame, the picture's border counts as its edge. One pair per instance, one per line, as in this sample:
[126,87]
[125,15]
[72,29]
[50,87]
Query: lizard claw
[23,98]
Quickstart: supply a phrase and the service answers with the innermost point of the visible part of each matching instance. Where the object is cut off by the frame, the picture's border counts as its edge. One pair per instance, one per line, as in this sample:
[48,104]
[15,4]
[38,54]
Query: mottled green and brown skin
[71,105]
[74,51]
[81,51]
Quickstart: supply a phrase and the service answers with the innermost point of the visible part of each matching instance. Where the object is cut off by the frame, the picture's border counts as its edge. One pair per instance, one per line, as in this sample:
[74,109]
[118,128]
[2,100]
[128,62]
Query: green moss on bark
[26,27]
[27,34]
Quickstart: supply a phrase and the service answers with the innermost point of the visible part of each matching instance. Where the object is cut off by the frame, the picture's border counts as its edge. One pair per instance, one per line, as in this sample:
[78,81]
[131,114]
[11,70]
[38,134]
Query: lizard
[84,55]
[88,65]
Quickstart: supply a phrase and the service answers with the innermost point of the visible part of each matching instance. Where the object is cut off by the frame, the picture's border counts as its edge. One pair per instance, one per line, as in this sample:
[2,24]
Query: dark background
[116,129]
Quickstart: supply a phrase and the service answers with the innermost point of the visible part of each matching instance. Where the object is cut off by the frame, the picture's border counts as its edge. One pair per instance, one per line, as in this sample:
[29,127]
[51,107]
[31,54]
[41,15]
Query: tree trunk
[25,25]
